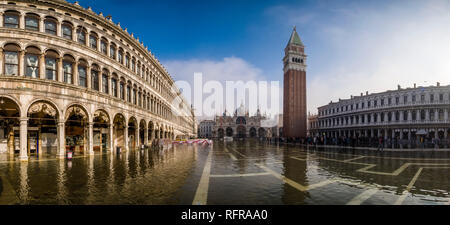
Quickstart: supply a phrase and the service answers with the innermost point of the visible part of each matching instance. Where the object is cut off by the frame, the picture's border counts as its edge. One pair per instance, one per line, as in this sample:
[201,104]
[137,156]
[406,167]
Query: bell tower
[294,97]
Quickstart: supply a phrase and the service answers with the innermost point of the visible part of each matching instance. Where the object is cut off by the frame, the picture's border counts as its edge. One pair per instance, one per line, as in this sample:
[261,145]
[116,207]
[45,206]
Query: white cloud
[228,69]
[374,50]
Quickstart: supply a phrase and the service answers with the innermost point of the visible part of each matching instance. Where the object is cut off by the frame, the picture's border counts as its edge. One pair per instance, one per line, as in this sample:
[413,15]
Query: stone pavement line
[240,175]
[231,155]
[201,195]
[239,153]
[358,200]
[408,188]
[293,183]
[369,166]
[8,195]
[349,160]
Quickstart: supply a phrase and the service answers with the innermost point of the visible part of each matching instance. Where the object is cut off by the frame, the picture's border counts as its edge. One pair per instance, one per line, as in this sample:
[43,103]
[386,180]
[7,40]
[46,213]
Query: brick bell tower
[294,98]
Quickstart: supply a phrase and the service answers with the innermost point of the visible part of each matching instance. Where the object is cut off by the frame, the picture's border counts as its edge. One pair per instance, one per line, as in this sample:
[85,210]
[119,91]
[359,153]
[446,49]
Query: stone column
[436,115]
[61,140]
[91,139]
[409,135]
[41,25]
[385,134]
[23,139]
[42,74]
[75,74]
[146,136]
[110,85]
[137,136]
[74,33]
[427,115]
[445,133]
[88,77]
[446,114]
[125,138]
[111,137]
[59,28]
[22,21]
[100,81]
[401,134]
[393,133]
[21,63]
[60,70]
[1,52]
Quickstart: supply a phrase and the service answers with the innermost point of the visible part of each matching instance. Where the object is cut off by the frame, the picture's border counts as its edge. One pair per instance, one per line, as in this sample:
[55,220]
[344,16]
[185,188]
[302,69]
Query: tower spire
[295,39]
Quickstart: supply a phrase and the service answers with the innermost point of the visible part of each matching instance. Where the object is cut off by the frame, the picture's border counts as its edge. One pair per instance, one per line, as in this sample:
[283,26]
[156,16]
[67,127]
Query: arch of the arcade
[38,125]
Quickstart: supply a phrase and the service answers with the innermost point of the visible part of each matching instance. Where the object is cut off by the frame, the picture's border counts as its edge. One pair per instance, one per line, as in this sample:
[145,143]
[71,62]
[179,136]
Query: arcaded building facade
[241,125]
[402,114]
[72,79]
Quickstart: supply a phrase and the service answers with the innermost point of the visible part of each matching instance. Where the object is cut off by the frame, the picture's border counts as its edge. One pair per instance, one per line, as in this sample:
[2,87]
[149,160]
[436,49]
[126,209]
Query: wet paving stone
[243,173]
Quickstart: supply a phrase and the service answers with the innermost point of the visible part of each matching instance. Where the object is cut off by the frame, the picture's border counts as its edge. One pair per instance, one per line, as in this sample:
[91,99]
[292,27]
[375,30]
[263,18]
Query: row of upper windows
[11,20]
[382,102]
[387,116]
[99,79]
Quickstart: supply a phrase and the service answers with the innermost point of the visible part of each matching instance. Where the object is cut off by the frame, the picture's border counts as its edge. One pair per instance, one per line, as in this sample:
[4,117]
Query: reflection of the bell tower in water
[297,171]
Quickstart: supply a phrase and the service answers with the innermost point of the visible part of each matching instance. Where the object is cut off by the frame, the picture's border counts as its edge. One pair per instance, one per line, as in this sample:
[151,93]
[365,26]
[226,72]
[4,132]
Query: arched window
[422,114]
[82,74]
[93,41]
[32,62]
[50,65]
[104,46]
[405,115]
[95,78]
[105,85]
[128,93]
[81,36]
[67,30]
[68,62]
[50,25]
[397,116]
[122,91]
[11,19]
[127,61]
[114,87]
[441,114]
[32,22]
[120,56]
[11,54]
[431,114]
[112,51]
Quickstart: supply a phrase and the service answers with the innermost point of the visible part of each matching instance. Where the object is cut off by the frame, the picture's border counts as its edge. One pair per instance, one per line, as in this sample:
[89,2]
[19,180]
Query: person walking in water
[380,144]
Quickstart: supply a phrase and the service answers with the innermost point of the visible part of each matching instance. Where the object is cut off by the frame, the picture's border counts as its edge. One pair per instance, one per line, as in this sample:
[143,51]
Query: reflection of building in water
[405,114]
[73,80]
[295,170]
[242,125]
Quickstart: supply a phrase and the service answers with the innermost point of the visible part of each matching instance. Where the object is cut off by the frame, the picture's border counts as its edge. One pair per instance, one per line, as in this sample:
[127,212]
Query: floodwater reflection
[241,173]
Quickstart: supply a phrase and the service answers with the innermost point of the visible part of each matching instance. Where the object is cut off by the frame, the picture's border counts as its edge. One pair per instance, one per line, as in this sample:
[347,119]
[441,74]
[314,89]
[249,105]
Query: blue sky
[352,46]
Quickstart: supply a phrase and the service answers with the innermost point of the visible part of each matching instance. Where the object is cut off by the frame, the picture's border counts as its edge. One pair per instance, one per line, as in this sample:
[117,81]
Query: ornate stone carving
[74,110]
[44,108]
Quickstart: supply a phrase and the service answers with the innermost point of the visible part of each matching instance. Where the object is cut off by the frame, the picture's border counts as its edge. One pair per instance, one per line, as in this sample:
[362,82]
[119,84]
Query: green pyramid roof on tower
[295,39]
